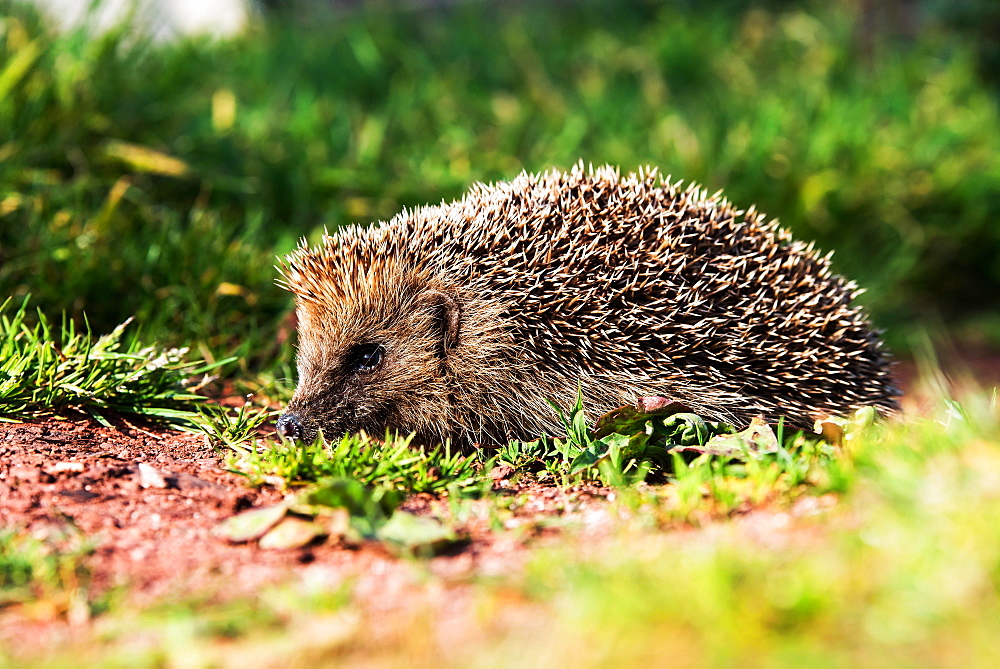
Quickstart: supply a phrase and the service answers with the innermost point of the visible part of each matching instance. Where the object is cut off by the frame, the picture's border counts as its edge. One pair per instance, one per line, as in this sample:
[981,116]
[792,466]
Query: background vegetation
[160,181]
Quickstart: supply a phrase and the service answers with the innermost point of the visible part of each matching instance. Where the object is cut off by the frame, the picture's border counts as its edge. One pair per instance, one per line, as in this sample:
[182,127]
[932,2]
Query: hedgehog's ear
[447,314]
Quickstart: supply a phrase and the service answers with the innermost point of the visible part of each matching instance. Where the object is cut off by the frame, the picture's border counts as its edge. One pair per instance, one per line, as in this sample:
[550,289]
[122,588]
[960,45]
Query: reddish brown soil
[150,499]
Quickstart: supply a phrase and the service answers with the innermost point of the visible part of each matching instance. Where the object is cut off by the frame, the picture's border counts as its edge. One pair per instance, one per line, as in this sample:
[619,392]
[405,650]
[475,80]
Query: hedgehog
[462,322]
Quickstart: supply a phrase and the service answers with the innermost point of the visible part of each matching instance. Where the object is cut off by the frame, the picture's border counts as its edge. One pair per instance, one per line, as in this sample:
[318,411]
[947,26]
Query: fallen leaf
[291,532]
[628,419]
[336,523]
[250,525]
[837,429]
[416,534]
[831,428]
[660,405]
[758,438]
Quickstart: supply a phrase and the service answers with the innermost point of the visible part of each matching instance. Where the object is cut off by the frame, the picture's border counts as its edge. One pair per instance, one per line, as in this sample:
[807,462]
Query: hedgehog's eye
[364,357]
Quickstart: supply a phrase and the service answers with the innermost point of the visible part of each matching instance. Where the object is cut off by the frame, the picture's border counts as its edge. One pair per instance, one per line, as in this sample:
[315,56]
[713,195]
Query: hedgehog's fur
[527,291]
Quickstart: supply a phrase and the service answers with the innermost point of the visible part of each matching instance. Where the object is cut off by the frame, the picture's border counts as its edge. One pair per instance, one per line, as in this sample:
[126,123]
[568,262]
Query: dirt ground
[150,499]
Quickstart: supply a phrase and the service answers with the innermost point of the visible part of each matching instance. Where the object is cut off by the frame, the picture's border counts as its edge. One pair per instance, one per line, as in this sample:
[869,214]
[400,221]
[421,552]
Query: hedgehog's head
[374,339]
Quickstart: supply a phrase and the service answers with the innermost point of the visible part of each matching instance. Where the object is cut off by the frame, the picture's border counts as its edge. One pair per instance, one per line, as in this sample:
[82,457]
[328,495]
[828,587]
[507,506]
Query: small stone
[501,471]
[150,477]
[185,481]
[66,468]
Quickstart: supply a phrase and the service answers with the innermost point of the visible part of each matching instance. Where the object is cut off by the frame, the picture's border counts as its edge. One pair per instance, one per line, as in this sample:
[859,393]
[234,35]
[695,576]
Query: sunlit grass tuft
[390,463]
[47,371]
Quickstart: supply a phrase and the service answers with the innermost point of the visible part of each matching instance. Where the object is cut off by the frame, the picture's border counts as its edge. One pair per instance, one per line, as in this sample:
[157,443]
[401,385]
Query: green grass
[181,170]
[391,463]
[623,449]
[225,427]
[698,472]
[47,371]
[904,570]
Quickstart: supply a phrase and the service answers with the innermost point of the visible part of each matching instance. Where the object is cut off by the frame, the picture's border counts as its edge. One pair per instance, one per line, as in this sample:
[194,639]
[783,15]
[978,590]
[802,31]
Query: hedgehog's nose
[290,427]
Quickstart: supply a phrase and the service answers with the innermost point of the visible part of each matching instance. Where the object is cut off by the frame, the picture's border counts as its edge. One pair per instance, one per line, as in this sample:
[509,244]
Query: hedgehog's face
[373,368]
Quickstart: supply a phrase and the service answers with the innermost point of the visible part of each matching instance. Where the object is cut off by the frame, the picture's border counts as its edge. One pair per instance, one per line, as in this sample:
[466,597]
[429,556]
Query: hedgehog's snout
[290,427]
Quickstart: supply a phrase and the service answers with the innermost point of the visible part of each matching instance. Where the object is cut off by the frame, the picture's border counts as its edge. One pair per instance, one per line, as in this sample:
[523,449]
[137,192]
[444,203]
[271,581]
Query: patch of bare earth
[151,498]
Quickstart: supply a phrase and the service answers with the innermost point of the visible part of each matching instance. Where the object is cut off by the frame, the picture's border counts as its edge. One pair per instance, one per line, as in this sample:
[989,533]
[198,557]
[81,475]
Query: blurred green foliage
[161,180]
